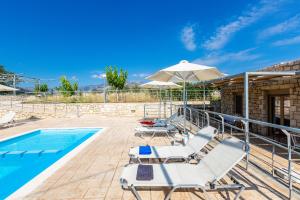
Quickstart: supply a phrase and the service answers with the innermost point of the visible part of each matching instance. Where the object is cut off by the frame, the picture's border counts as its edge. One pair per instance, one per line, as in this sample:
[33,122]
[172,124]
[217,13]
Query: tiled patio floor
[94,172]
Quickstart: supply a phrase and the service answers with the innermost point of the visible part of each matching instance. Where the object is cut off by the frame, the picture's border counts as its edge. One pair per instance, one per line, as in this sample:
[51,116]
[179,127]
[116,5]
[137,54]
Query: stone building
[274,99]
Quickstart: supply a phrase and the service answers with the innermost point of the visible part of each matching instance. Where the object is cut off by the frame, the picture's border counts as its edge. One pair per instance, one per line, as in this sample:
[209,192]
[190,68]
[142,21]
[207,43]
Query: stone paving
[94,173]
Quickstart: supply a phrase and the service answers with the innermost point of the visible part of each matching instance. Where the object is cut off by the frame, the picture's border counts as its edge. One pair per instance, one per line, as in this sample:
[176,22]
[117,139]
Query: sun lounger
[206,175]
[7,119]
[159,122]
[185,152]
[156,130]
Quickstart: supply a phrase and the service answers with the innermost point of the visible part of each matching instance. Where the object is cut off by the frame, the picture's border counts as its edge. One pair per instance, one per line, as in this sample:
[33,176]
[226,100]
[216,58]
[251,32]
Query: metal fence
[58,104]
[107,96]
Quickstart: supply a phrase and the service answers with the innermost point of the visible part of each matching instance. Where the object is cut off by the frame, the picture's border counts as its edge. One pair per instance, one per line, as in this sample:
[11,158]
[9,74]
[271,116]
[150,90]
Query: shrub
[66,88]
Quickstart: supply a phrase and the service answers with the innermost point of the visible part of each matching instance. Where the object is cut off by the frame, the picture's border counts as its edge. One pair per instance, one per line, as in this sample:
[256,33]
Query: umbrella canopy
[160,85]
[4,88]
[185,71]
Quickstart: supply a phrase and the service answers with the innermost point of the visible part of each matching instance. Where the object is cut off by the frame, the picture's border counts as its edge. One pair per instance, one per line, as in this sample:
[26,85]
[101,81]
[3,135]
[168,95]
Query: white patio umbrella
[184,72]
[4,88]
[160,85]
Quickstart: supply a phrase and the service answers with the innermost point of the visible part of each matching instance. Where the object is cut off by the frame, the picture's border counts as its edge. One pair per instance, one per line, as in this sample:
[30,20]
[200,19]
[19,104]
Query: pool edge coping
[34,183]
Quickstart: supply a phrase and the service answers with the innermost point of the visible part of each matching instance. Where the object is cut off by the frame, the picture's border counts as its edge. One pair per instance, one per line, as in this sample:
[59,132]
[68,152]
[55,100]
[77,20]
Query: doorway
[278,113]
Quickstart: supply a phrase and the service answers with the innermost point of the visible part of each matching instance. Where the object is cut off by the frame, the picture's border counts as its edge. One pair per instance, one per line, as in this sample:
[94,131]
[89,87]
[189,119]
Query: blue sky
[50,38]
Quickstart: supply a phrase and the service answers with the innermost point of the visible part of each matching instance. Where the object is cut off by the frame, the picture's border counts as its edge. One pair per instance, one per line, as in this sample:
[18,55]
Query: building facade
[275,100]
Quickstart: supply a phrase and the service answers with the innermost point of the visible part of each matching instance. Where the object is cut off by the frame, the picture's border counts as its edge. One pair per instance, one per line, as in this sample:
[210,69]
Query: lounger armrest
[124,183]
[175,157]
[197,156]
[176,142]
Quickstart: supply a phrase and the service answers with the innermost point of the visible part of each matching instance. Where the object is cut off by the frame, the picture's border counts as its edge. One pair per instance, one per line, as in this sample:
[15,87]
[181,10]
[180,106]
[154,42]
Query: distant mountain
[92,87]
[25,89]
[85,88]
[100,87]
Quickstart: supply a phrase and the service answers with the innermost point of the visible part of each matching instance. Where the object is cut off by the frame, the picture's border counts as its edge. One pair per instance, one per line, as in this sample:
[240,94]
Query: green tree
[116,78]
[44,87]
[41,88]
[66,87]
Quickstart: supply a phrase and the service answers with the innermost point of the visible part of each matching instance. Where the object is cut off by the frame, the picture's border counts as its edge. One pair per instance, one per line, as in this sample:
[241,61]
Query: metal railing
[202,118]
[111,96]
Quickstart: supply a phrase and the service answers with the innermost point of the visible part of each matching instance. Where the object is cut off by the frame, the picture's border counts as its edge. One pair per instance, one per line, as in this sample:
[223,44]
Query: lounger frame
[213,183]
[211,187]
[193,156]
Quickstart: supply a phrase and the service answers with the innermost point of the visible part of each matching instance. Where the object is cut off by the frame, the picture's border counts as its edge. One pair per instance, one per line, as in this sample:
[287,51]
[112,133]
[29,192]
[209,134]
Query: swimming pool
[24,157]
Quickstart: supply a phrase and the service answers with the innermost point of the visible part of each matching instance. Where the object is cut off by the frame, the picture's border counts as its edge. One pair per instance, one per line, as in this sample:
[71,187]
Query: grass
[93,98]
[114,97]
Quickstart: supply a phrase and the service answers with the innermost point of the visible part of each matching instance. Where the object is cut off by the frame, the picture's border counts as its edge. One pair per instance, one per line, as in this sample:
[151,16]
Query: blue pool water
[24,157]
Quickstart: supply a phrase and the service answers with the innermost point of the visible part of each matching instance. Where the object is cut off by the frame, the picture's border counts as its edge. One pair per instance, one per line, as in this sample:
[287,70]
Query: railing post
[246,103]
[165,110]
[247,143]
[223,126]
[288,135]
[104,93]
[191,120]
[207,116]
[273,156]
[202,120]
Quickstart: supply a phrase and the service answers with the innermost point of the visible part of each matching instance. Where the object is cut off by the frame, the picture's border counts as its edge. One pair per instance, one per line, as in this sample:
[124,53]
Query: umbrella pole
[159,102]
[204,98]
[171,106]
[184,107]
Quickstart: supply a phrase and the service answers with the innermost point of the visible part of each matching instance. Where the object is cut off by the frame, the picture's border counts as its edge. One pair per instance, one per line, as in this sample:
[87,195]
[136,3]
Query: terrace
[270,170]
[94,173]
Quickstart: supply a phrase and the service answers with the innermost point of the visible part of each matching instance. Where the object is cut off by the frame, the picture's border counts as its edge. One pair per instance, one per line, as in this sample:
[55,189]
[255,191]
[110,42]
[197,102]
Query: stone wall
[259,91]
[25,111]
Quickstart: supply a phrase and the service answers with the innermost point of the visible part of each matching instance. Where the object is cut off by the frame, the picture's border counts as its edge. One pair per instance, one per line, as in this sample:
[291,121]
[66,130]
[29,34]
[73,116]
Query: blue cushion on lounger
[144,150]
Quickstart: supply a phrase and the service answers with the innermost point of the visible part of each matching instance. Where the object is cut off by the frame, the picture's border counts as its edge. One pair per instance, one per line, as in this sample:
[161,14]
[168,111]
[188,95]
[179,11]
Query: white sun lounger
[7,119]
[185,152]
[205,176]
[172,124]
[156,130]
[163,122]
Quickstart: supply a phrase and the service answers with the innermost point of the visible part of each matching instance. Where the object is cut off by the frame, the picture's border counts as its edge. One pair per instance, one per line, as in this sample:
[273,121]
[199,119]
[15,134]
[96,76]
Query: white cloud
[100,75]
[74,78]
[282,27]
[219,58]
[188,38]
[140,75]
[289,41]
[224,33]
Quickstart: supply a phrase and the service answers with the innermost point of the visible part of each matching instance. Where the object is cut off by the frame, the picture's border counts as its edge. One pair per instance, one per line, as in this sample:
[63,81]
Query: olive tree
[116,78]
[66,88]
